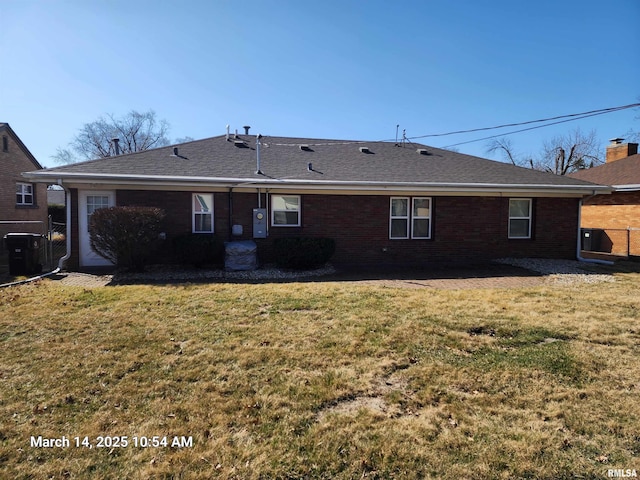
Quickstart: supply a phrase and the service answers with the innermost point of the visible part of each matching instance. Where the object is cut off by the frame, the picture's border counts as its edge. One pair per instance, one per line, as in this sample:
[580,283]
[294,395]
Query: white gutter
[579,245]
[117,179]
[626,188]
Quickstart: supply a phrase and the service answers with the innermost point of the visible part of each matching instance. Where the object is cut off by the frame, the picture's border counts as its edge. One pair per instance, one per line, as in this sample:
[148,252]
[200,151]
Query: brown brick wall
[464,229]
[13,162]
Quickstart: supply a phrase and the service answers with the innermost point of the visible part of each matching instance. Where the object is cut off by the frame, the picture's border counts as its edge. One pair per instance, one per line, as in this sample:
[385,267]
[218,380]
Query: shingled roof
[619,173]
[310,163]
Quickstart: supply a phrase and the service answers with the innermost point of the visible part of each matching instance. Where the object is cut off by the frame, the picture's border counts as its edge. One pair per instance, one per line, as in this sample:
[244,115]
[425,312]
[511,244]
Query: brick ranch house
[615,218]
[20,199]
[382,203]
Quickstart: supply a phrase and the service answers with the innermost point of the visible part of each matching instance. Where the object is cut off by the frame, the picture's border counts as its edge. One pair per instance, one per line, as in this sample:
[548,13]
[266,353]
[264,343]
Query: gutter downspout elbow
[579,257]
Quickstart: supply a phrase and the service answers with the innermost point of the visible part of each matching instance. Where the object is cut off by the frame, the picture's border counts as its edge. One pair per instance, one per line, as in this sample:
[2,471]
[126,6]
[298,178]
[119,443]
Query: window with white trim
[421,217]
[285,210]
[202,216]
[410,218]
[24,194]
[399,217]
[520,217]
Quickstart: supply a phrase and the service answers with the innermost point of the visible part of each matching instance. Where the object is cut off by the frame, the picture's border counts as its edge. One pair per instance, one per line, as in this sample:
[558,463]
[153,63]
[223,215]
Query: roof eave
[274,183]
[626,188]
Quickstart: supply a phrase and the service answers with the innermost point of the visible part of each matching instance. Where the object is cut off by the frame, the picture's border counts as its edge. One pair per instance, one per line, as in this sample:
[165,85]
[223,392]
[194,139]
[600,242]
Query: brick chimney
[617,150]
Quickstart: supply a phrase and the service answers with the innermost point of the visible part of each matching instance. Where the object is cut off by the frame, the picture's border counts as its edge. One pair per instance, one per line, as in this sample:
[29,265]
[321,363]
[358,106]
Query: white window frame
[22,194]
[274,211]
[194,213]
[409,217]
[415,217]
[529,218]
[393,217]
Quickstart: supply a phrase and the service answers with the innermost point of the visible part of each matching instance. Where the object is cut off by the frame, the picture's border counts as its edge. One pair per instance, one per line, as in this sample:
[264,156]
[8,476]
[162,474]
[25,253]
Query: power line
[590,113]
[524,130]
[560,119]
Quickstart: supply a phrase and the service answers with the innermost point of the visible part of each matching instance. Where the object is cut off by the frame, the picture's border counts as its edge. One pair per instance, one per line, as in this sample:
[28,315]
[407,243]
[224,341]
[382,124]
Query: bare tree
[135,132]
[561,155]
[504,146]
[567,153]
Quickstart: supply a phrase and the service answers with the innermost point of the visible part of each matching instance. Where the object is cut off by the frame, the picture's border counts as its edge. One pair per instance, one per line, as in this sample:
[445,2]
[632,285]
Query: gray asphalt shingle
[331,161]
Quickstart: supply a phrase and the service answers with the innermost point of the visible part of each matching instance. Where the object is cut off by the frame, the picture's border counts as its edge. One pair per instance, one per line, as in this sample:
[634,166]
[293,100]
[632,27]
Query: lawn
[319,380]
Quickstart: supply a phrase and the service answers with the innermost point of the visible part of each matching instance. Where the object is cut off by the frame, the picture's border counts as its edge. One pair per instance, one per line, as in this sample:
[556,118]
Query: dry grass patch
[325,380]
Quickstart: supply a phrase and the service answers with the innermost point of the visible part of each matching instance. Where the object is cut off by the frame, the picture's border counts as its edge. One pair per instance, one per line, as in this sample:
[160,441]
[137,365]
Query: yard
[319,380]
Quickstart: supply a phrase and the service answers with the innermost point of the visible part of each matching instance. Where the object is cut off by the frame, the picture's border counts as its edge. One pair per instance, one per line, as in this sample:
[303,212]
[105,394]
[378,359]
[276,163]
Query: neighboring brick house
[615,218]
[20,198]
[383,203]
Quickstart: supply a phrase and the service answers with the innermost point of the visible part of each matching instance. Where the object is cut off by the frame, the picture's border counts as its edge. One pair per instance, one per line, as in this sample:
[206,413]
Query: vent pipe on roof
[246,129]
[258,171]
[116,145]
[175,151]
[227,133]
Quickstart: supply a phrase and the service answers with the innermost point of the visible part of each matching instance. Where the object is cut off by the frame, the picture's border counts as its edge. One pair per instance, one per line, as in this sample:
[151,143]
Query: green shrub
[125,235]
[199,249]
[303,252]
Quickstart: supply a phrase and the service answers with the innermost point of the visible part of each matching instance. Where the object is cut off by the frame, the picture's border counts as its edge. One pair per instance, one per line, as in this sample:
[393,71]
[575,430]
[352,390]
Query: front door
[88,202]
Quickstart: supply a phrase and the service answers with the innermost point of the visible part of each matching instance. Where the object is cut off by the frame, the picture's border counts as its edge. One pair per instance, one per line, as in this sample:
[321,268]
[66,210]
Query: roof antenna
[404,136]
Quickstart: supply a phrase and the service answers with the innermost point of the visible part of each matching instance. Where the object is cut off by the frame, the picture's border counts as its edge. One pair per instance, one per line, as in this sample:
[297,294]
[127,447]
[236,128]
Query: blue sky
[325,69]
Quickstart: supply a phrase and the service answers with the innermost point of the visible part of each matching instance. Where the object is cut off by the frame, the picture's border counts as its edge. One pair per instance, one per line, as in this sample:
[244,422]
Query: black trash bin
[24,253]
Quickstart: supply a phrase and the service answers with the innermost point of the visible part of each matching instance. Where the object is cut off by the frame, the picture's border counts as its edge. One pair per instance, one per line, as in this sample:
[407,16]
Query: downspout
[67,197]
[578,249]
[230,235]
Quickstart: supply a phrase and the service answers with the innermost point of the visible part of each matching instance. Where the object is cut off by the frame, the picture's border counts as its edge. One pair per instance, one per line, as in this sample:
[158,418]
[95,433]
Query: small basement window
[520,217]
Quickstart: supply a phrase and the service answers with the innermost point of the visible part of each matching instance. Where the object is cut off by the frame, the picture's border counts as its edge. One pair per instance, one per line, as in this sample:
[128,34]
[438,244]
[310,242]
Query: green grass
[321,380]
